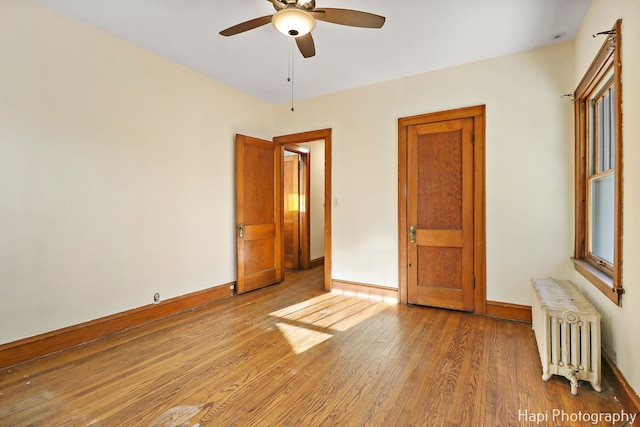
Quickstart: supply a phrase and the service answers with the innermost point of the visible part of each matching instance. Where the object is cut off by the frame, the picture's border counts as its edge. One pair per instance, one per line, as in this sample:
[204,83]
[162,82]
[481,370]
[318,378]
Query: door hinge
[473,137]
[299,251]
[299,165]
[474,282]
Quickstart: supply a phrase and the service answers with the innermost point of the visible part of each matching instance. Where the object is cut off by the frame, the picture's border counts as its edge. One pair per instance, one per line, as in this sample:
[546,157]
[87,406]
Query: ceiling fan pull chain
[289,62]
[290,78]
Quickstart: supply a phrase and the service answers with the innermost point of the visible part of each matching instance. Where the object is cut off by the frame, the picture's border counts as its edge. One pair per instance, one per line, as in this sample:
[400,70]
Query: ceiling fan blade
[352,18]
[306,45]
[246,26]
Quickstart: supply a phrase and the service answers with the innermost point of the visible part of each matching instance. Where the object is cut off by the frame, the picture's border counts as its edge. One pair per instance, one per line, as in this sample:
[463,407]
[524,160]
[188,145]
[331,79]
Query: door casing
[477,113]
[300,138]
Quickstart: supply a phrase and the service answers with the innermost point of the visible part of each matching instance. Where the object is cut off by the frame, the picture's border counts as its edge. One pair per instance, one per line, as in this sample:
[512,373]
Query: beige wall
[529,192]
[116,173]
[620,335]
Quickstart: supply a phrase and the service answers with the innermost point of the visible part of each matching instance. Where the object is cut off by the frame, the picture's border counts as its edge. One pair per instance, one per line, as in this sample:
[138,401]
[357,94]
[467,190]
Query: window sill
[600,280]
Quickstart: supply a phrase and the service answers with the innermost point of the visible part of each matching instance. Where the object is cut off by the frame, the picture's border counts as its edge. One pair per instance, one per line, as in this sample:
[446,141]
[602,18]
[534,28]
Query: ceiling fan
[296,18]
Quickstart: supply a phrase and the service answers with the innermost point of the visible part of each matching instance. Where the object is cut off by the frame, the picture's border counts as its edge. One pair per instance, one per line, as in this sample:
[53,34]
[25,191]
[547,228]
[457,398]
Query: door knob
[412,234]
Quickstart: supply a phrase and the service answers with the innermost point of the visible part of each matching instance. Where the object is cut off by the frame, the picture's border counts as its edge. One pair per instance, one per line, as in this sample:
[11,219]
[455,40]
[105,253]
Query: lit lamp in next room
[293,203]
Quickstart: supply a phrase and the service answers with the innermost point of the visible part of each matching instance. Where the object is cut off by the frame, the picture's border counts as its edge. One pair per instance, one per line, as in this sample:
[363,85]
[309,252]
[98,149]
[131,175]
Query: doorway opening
[294,207]
[303,205]
[312,199]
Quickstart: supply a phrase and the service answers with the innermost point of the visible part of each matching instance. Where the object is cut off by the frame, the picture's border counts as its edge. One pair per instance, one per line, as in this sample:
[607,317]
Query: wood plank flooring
[293,355]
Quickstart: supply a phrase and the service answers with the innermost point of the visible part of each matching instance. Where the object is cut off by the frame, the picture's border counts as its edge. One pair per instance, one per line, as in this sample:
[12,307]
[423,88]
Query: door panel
[439,185]
[440,207]
[440,265]
[259,259]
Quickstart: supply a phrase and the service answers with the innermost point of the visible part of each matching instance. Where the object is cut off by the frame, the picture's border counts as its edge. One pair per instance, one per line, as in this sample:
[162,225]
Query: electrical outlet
[156,297]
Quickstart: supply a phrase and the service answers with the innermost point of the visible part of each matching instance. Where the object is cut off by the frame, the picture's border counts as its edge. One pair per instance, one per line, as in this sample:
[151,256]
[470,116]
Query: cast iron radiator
[567,330]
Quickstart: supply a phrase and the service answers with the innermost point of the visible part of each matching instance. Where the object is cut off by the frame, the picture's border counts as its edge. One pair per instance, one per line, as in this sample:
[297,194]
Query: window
[598,167]
[601,177]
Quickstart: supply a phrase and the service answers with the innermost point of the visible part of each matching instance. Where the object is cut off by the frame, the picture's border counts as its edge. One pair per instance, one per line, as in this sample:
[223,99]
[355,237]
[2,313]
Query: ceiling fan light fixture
[293,22]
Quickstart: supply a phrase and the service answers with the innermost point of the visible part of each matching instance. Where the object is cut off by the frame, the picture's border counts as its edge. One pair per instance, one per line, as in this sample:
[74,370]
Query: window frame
[605,276]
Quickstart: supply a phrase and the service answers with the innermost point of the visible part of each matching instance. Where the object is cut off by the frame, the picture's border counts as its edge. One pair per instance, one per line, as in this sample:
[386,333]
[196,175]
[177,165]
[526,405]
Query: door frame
[304,227]
[309,136]
[479,220]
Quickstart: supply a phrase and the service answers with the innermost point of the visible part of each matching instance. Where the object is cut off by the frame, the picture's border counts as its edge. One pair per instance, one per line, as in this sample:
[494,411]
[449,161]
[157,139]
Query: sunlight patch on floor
[325,314]
[358,313]
[301,305]
[301,339]
[365,295]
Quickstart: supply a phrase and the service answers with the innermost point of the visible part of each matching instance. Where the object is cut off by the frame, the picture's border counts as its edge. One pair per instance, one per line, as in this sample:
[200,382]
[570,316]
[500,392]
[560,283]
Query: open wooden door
[258,214]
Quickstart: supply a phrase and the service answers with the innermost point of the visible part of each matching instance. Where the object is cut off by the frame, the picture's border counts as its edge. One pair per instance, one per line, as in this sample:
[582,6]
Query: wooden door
[291,180]
[258,214]
[440,214]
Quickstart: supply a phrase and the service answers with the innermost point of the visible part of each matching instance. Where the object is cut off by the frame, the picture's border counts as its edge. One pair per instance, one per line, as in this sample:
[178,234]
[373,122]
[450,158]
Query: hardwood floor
[293,355]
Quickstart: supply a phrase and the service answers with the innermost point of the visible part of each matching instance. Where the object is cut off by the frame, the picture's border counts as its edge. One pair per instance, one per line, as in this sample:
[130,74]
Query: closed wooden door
[440,214]
[258,214]
[291,181]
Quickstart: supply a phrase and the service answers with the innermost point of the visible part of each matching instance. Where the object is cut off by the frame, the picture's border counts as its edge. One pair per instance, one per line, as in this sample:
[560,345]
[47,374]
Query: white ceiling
[418,36]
